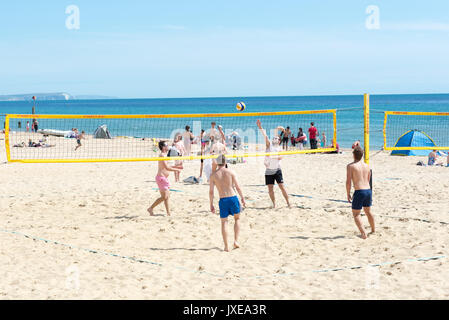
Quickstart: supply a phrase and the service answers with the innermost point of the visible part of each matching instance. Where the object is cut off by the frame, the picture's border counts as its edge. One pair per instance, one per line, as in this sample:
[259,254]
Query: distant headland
[50,96]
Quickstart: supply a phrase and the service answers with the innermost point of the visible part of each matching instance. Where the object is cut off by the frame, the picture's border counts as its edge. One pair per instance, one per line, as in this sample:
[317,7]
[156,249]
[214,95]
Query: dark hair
[288,127]
[358,153]
[312,123]
[187,128]
[162,144]
[202,130]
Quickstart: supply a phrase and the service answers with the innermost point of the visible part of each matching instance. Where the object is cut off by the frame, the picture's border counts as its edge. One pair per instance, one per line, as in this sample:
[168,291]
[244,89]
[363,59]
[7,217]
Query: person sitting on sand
[162,179]
[19,145]
[359,174]
[433,159]
[273,170]
[225,180]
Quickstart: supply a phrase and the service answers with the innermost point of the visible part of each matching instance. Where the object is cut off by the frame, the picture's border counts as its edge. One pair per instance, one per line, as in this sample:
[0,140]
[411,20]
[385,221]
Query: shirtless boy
[359,174]
[78,139]
[162,179]
[225,180]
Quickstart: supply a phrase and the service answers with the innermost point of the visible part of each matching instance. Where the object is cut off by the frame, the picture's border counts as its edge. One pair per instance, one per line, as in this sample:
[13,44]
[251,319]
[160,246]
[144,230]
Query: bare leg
[284,193]
[224,233]
[271,193]
[156,203]
[370,218]
[236,231]
[358,222]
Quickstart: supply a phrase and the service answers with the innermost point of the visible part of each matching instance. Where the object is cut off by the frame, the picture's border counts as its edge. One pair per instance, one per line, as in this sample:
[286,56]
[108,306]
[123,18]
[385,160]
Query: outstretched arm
[169,168]
[267,141]
[223,139]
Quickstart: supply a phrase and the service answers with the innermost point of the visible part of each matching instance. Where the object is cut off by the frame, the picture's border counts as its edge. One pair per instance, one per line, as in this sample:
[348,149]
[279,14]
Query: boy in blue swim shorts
[359,174]
[225,180]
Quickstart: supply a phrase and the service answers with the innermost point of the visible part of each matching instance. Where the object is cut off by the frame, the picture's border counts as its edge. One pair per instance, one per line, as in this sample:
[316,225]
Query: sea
[349,109]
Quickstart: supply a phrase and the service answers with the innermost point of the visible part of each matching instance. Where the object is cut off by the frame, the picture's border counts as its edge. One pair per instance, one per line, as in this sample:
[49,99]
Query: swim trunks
[162,183]
[229,206]
[270,178]
[362,198]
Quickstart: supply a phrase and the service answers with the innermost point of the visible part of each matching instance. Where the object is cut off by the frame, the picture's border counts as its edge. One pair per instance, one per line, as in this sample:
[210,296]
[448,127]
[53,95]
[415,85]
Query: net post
[8,151]
[366,125]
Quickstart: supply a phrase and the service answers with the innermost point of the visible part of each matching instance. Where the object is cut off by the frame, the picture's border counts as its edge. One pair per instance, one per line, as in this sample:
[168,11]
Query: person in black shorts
[273,170]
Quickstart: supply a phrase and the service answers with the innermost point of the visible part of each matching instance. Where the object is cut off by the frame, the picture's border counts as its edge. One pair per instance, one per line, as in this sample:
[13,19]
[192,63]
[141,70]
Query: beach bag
[191,180]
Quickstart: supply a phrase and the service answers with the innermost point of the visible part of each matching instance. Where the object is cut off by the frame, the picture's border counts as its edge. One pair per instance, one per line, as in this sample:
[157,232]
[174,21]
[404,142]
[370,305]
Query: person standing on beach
[218,147]
[78,139]
[187,136]
[273,170]
[28,126]
[36,125]
[312,136]
[162,179]
[179,146]
[359,174]
[225,180]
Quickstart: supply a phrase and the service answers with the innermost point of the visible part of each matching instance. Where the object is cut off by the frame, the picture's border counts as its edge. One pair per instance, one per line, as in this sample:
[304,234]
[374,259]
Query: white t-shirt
[272,163]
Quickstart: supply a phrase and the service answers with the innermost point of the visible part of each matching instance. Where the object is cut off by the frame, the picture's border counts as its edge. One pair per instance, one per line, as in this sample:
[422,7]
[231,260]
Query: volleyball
[241,106]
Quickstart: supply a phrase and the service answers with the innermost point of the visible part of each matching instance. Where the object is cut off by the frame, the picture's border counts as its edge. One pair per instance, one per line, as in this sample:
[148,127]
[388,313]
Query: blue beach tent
[413,138]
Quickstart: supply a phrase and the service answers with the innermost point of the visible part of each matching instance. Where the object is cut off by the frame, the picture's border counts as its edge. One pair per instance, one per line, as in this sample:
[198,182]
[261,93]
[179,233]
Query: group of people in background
[301,140]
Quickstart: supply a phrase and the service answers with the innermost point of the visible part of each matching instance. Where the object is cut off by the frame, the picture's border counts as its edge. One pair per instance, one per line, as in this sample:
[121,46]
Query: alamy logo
[373,20]
[72,281]
[73,20]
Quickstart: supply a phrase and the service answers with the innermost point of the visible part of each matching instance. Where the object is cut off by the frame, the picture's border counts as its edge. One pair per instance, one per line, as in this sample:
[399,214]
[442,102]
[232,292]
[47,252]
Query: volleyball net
[113,138]
[416,130]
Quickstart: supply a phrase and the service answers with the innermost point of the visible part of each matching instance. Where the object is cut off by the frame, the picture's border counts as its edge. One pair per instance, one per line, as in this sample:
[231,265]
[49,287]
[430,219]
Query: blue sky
[139,49]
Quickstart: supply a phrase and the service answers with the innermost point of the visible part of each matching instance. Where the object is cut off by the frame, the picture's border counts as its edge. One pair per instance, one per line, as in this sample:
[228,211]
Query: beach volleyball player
[359,174]
[273,170]
[225,180]
[162,179]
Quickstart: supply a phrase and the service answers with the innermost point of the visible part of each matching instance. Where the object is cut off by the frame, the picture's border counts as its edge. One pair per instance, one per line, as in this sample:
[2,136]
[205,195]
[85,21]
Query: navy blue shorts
[229,206]
[362,198]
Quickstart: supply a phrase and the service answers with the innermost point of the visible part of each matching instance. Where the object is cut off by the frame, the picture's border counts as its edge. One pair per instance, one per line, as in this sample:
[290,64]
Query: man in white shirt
[273,170]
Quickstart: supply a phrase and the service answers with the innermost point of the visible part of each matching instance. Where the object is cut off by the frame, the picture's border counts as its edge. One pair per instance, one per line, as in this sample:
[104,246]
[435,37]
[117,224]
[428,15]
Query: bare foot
[168,214]
[289,205]
[236,245]
[150,211]
[226,249]
[363,236]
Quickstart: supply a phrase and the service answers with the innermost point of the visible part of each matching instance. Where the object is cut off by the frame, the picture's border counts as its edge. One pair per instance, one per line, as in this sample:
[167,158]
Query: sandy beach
[81,231]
